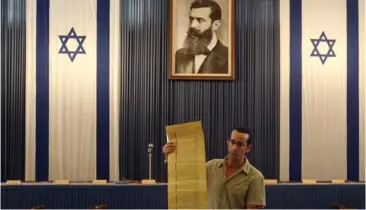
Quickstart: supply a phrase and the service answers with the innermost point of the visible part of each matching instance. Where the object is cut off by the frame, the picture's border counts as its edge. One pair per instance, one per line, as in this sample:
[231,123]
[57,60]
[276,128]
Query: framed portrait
[202,40]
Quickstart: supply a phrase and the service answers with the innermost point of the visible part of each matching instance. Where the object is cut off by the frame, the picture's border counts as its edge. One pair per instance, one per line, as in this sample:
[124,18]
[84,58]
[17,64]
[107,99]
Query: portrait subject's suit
[216,62]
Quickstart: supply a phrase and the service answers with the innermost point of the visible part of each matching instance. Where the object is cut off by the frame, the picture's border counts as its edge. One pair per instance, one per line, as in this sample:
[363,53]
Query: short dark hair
[215,8]
[247,131]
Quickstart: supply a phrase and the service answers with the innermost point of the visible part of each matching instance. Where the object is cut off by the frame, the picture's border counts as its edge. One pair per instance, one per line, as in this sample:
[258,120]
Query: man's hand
[169,148]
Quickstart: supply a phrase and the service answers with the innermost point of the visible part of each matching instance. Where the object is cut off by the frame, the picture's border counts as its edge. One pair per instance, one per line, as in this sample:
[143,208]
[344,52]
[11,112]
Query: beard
[196,42]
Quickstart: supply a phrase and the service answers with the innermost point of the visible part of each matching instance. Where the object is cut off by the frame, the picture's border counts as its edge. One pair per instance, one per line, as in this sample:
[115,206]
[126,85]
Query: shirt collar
[245,167]
[213,42]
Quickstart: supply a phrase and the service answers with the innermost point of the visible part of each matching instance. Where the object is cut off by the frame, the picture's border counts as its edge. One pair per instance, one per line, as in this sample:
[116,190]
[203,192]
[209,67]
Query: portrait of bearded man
[202,51]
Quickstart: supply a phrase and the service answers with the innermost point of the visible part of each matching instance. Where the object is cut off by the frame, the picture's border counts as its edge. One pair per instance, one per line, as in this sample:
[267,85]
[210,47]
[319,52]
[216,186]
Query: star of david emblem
[67,50]
[323,56]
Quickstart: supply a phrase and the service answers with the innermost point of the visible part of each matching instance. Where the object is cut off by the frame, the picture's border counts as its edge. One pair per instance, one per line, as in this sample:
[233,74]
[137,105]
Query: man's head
[205,15]
[239,143]
[204,18]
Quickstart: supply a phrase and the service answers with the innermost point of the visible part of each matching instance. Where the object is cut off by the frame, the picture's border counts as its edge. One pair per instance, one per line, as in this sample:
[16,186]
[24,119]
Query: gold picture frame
[202,40]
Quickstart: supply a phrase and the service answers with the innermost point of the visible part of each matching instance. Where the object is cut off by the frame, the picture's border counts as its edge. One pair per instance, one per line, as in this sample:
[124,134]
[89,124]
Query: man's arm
[208,166]
[256,196]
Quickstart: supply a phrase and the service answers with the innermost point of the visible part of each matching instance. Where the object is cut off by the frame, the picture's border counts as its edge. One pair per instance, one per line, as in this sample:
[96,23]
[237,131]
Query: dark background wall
[150,101]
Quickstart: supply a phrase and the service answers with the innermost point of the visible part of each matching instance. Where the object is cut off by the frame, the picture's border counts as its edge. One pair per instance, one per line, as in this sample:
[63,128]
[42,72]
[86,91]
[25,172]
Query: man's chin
[235,156]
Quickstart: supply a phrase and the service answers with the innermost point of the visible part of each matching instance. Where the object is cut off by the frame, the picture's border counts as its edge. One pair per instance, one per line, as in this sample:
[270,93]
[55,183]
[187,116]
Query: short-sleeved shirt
[244,187]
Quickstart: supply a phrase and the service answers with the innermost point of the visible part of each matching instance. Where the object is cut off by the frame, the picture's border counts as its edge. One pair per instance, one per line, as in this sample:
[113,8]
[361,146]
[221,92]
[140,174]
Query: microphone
[150,147]
[149,150]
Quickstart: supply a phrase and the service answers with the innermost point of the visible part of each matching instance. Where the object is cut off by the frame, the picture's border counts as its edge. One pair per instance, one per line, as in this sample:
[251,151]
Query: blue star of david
[79,49]
[316,53]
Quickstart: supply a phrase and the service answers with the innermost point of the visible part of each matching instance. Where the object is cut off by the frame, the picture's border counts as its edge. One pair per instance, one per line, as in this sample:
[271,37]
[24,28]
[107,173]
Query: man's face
[237,145]
[200,19]
[199,34]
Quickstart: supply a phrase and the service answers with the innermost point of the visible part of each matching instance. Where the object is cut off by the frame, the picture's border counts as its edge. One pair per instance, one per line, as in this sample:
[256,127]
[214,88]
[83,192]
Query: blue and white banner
[322,84]
[72,90]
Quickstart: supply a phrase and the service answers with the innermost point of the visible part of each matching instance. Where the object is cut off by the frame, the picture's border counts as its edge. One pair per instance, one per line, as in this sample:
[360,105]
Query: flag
[322,90]
[72,90]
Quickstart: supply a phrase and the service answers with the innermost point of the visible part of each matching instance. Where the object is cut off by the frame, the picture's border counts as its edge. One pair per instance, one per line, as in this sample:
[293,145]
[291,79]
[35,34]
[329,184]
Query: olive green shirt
[244,187]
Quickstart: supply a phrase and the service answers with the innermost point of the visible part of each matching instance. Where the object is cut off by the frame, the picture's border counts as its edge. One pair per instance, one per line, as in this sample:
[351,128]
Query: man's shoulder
[255,173]
[181,53]
[182,57]
[214,163]
[221,49]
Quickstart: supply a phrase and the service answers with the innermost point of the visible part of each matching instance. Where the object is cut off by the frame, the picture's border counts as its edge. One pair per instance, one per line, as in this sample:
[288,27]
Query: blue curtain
[150,101]
[12,61]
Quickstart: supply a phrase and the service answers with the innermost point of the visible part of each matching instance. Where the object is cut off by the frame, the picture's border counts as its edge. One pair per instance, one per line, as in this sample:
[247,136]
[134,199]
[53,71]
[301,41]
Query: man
[233,182]
[203,53]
